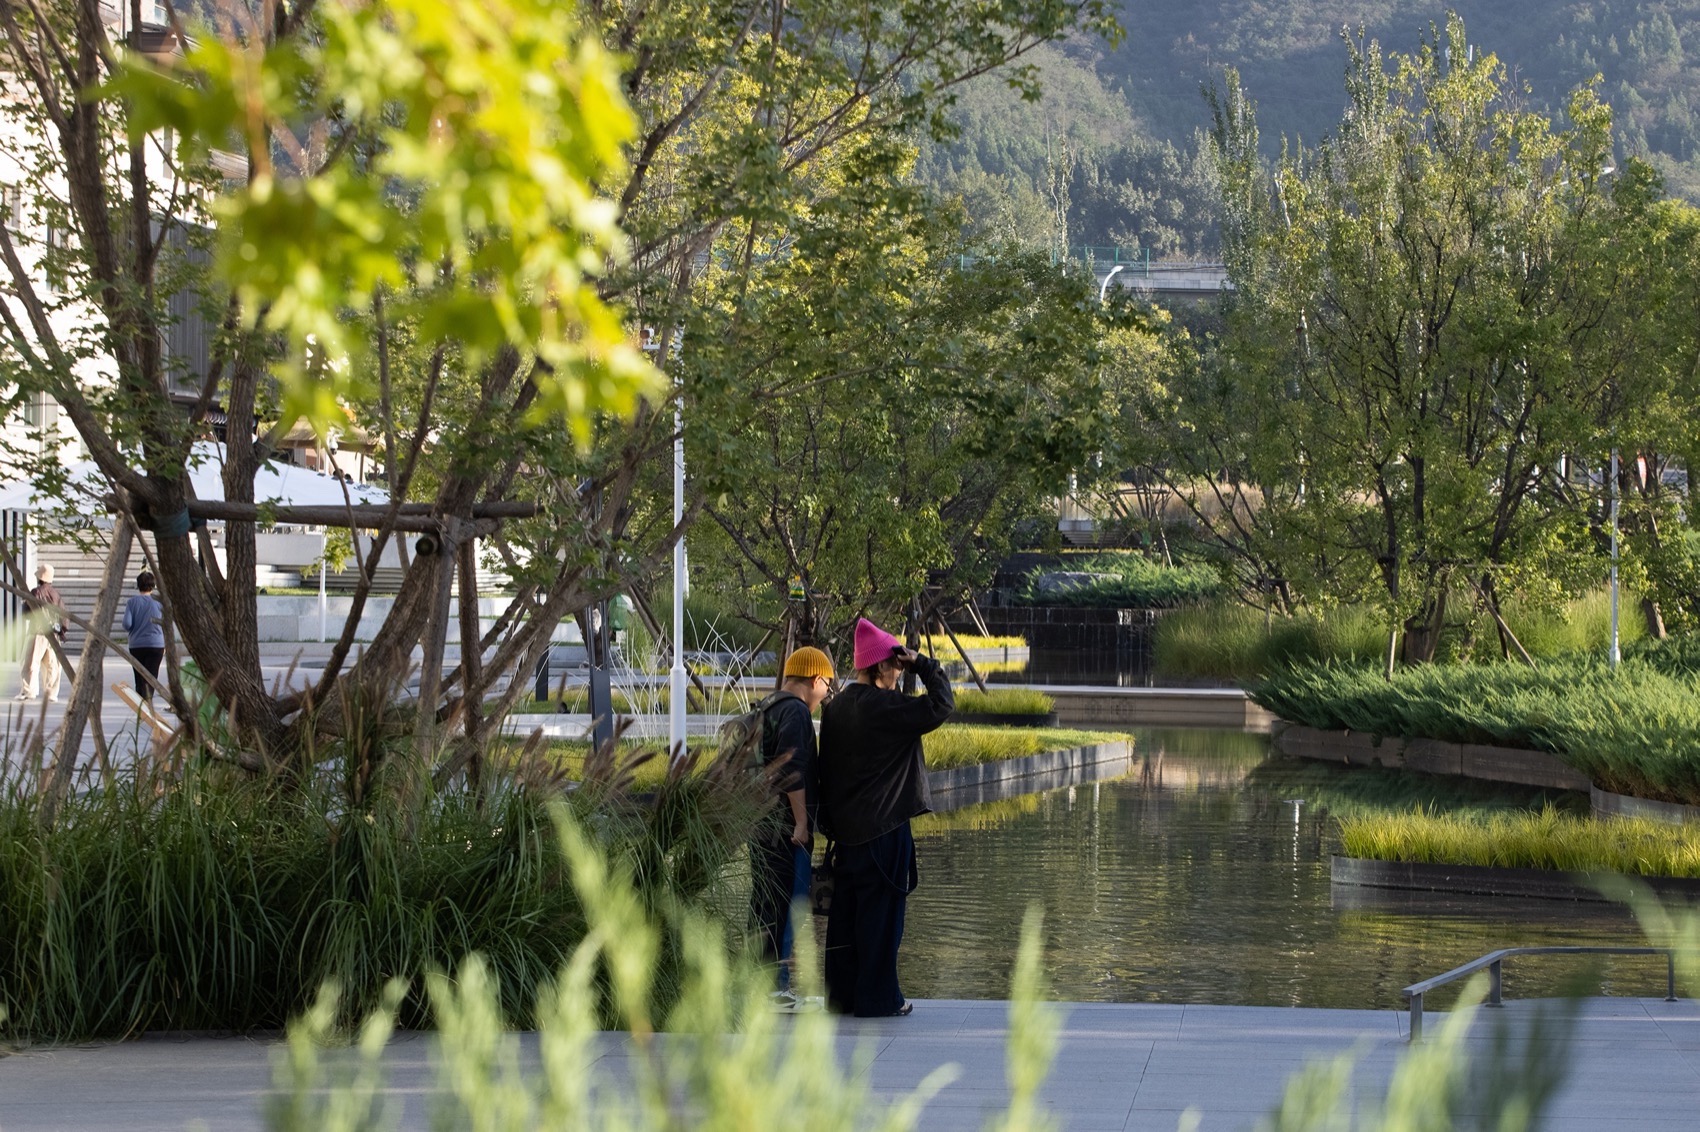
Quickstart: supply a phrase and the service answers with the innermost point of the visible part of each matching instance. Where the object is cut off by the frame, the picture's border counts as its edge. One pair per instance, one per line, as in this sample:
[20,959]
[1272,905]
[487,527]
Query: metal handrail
[1493,959]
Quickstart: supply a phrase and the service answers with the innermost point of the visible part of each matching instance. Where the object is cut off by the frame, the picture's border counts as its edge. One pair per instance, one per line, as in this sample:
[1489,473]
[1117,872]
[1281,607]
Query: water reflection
[1199,877]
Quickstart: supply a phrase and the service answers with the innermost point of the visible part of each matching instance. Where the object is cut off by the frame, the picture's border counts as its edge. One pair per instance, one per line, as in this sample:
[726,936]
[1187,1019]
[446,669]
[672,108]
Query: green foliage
[1425,434]
[1633,731]
[728,1062]
[213,901]
[923,407]
[1117,130]
[1549,839]
[1127,580]
[1451,1080]
[1073,167]
[958,745]
[487,127]
[766,1070]
[1236,642]
[1004,701]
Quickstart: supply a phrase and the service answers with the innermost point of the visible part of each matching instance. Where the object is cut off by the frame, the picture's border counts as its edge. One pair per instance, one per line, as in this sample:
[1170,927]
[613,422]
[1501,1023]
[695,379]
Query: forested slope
[1113,148]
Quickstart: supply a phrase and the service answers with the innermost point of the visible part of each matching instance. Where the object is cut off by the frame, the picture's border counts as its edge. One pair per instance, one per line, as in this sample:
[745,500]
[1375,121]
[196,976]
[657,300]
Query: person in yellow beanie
[781,852]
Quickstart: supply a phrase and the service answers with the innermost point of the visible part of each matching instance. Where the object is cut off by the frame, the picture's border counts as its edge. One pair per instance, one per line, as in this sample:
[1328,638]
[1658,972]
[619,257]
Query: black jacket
[788,729]
[873,775]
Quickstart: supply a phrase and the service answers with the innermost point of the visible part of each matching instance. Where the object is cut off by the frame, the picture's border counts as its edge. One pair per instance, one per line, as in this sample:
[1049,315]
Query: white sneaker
[783,1002]
[24,696]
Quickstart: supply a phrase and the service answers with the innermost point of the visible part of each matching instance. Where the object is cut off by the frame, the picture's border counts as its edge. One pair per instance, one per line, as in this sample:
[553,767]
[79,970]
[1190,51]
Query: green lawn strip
[951,746]
[1004,701]
[1549,839]
[1634,731]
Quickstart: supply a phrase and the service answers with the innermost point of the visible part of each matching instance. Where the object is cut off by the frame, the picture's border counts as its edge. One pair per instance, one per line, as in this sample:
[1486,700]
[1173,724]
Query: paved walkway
[1129,1068]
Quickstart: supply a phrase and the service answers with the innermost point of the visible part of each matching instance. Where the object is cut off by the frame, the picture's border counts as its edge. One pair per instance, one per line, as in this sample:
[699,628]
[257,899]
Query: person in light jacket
[45,614]
[143,624]
[873,779]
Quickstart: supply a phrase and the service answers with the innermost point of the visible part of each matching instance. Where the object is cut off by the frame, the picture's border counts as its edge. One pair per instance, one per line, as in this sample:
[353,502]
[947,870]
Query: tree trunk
[1423,628]
[1655,618]
[471,660]
[434,643]
[85,689]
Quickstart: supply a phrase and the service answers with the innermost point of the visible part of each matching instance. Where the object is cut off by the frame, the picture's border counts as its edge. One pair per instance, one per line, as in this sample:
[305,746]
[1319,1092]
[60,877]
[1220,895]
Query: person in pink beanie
[873,780]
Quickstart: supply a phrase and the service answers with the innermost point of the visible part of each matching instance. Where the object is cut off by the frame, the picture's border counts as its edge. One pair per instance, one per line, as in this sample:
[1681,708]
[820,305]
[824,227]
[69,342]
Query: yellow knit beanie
[807,662]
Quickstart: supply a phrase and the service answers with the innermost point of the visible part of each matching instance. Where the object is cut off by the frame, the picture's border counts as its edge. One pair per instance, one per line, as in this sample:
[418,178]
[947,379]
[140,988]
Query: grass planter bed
[1065,763]
[1632,730]
[1517,853]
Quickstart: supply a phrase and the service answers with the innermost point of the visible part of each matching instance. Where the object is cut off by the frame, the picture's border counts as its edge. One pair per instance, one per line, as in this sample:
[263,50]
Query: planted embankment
[1632,731]
[1546,854]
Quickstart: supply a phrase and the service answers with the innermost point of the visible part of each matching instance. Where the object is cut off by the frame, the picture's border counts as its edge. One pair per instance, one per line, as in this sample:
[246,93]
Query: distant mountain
[1114,146]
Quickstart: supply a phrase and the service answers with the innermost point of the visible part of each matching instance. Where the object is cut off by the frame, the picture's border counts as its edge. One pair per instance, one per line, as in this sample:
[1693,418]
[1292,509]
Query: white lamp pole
[324,545]
[1104,287]
[676,675]
[1611,489]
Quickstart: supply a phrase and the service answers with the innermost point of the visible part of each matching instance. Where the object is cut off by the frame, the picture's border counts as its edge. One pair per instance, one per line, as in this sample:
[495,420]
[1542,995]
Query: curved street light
[1104,287]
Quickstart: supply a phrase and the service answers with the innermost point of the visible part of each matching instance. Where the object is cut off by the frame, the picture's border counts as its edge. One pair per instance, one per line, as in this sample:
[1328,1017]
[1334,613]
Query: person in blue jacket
[144,626]
[873,779]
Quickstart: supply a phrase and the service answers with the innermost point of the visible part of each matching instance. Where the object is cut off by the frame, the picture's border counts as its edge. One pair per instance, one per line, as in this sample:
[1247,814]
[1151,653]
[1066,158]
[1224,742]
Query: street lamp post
[1104,287]
[1611,497]
[676,674]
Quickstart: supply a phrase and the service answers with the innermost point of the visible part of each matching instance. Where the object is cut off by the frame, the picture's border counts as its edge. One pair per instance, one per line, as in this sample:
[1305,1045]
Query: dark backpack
[744,737]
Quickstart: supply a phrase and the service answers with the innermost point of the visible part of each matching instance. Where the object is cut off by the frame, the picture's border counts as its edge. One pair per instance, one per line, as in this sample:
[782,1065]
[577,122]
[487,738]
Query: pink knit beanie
[873,644]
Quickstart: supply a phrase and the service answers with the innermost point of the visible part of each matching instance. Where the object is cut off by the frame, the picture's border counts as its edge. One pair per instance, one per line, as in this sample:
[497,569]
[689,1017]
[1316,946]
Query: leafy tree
[1431,308]
[428,239]
[932,404]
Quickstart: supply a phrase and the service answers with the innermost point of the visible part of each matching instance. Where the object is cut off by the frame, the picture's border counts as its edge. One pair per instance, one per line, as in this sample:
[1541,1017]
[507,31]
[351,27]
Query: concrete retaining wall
[1481,880]
[1049,770]
[1468,760]
[1623,805]
[1158,707]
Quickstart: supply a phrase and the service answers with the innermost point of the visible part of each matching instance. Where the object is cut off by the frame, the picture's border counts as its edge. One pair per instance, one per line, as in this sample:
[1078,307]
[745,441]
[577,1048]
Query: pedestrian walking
[781,851]
[41,610]
[873,779]
[144,625]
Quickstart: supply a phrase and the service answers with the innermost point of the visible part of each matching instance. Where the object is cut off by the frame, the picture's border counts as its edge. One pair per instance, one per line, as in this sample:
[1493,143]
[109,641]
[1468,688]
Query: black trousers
[150,658]
[871,887]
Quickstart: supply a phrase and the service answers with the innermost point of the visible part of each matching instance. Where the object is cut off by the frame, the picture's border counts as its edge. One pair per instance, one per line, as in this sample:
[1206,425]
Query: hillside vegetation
[1112,153]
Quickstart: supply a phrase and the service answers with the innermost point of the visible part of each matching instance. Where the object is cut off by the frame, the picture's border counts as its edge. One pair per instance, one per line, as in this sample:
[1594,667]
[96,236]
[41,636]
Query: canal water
[1202,877]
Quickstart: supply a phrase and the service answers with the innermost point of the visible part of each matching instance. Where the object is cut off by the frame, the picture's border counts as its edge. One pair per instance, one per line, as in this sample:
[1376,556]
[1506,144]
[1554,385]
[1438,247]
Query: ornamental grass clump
[187,894]
[958,745]
[1004,701]
[1633,730]
[712,1056]
[1549,839]
[1232,641]
[1125,580]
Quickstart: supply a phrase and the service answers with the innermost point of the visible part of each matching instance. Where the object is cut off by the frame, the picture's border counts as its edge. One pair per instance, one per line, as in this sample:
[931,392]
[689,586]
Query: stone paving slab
[1120,1068]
